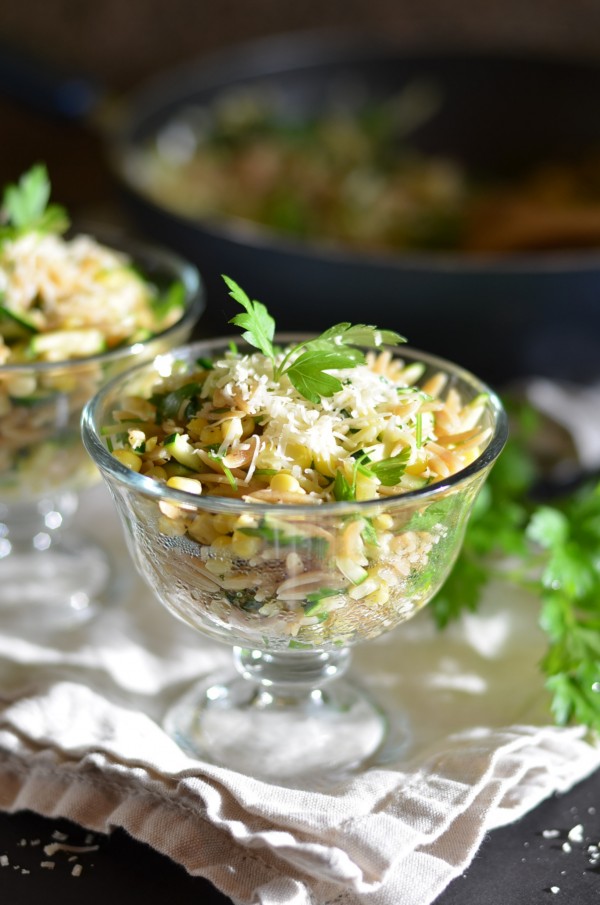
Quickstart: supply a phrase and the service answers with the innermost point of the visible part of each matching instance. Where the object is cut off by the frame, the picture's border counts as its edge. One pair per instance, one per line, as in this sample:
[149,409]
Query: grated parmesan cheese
[244,430]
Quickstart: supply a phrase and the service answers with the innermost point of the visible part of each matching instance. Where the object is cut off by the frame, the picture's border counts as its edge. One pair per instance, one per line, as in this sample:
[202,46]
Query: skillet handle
[45,88]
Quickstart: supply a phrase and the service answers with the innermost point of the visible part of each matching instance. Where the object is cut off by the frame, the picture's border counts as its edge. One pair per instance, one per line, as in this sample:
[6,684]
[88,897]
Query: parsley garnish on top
[25,206]
[308,371]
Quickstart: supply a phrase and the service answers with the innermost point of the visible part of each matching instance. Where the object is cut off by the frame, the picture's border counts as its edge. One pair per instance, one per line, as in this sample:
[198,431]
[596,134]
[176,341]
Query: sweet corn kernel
[324,464]
[202,529]
[244,545]
[218,566]
[195,426]
[285,483]
[417,468]
[245,521]
[299,454]
[224,524]
[21,386]
[210,434]
[381,595]
[383,522]
[223,540]
[366,487]
[232,430]
[170,510]
[157,472]
[171,526]
[190,485]
[128,458]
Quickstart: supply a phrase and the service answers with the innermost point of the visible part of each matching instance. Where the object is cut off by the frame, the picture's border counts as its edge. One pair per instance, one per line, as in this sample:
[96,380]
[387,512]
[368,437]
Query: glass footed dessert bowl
[263,523]
[52,576]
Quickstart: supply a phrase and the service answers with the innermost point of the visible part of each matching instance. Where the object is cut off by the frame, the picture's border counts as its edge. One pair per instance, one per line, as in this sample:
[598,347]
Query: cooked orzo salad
[70,310]
[64,298]
[312,423]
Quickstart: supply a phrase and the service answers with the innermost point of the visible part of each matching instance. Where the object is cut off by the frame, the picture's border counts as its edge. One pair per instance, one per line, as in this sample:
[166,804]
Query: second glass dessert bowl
[292,586]
[52,576]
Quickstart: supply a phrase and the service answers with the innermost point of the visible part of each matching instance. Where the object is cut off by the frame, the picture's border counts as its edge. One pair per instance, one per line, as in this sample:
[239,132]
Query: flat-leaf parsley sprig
[554,548]
[554,551]
[25,206]
[307,364]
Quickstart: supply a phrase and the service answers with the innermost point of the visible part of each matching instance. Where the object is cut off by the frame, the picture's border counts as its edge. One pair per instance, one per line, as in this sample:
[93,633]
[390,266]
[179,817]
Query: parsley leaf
[25,206]
[361,335]
[308,372]
[389,471]
[307,363]
[553,552]
[171,300]
[168,404]
[257,322]
[342,489]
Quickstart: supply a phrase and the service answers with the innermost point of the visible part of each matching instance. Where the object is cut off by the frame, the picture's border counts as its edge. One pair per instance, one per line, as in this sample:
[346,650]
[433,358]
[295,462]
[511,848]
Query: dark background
[120,44]
[125,42]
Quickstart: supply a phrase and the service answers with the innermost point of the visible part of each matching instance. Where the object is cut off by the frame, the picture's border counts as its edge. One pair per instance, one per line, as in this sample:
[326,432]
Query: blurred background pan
[504,313]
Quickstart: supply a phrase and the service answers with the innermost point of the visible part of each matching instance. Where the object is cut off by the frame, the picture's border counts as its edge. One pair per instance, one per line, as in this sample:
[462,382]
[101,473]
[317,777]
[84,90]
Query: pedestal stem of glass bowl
[291,673]
[286,716]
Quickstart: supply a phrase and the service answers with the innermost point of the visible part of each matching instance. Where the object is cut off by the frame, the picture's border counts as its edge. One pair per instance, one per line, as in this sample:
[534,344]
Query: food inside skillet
[355,177]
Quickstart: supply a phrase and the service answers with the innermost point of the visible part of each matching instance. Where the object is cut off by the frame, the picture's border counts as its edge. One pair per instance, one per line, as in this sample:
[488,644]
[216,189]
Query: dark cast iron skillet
[503,317]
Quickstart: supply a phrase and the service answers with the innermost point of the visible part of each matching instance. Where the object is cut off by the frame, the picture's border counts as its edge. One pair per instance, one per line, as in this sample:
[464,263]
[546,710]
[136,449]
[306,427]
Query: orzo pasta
[64,303]
[238,427]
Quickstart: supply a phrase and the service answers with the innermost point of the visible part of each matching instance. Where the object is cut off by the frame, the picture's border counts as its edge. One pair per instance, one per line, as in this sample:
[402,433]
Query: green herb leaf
[553,552]
[26,207]
[306,363]
[389,471]
[257,322]
[548,527]
[226,471]
[342,490]
[272,534]
[172,300]
[308,372]
[569,569]
[321,594]
[168,404]
[362,335]
[314,601]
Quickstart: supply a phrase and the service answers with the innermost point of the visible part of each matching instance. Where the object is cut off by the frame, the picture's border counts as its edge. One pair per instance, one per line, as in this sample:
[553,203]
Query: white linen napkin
[81,738]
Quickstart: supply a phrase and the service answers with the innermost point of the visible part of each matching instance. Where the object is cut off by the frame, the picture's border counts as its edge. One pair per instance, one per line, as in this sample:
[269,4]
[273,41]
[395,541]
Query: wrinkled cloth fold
[81,738]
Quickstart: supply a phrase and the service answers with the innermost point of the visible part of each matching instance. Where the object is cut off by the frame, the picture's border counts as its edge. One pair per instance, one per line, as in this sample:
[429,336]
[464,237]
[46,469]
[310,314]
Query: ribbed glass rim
[139,250]
[152,488]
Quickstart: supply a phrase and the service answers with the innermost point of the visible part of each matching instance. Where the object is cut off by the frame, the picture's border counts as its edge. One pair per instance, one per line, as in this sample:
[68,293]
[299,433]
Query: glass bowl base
[55,588]
[296,739]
